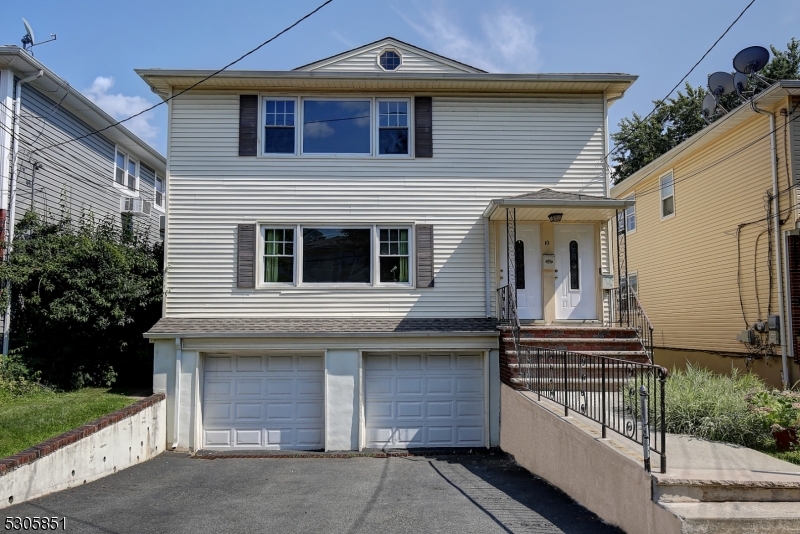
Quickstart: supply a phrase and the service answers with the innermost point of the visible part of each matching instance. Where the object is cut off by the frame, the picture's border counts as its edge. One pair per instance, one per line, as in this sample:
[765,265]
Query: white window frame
[299,100]
[376,120]
[124,187]
[663,198]
[260,252]
[375,275]
[262,124]
[389,49]
[156,179]
[626,214]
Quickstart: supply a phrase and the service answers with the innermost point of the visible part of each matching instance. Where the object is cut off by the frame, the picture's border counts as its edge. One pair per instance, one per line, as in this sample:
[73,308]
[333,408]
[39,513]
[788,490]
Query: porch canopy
[573,207]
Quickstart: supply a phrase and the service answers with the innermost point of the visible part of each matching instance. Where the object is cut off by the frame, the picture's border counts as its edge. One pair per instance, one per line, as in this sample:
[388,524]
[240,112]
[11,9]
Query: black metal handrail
[503,305]
[628,311]
[606,390]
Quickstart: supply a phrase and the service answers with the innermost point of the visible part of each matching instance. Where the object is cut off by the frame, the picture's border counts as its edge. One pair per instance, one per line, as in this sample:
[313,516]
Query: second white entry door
[528,269]
[576,290]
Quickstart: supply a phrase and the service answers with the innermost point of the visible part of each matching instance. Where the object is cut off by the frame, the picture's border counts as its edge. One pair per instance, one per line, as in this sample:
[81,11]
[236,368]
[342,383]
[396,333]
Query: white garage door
[263,402]
[424,400]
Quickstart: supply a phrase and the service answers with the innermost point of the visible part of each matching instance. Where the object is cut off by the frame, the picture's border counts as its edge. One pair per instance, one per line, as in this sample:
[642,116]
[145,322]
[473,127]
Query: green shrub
[16,379]
[705,404]
[83,293]
[777,409]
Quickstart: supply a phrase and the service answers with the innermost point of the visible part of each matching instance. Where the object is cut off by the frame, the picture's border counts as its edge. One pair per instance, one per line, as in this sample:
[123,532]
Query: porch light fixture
[555,217]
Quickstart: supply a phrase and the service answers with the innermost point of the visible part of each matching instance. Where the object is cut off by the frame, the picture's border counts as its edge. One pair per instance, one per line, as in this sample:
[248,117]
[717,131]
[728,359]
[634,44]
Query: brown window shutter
[246,256]
[423,127]
[424,243]
[248,124]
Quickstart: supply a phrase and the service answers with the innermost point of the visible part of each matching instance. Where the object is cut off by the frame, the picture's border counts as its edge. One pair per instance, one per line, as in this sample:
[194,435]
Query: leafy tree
[83,293]
[677,119]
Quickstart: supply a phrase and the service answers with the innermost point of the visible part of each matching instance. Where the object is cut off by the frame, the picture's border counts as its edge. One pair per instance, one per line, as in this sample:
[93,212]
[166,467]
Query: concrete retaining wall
[588,469]
[102,447]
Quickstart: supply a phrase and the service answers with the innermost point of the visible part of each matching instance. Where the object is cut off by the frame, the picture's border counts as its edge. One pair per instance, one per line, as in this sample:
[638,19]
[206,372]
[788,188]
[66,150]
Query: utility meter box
[746,336]
[774,325]
[548,262]
[606,281]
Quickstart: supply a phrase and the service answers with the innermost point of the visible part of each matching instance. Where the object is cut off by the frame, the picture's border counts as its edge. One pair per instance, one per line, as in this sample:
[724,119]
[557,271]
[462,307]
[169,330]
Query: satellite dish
[27,40]
[751,60]
[740,81]
[709,106]
[721,83]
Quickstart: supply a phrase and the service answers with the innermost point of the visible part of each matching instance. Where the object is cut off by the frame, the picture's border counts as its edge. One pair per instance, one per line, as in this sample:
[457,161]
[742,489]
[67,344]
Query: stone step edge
[575,339]
[608,353]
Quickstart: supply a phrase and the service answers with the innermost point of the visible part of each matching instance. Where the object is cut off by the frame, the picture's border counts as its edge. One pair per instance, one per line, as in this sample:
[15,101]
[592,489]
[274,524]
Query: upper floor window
[337,255]
[126,172]
[159,191]
[336,126]
[279,126]
[394,254]
[630,217]
[667,187]
[278,254]
[390,60]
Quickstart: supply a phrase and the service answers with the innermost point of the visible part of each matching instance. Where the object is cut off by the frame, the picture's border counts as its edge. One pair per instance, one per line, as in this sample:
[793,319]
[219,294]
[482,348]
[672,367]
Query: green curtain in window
[271,269]
[403,270]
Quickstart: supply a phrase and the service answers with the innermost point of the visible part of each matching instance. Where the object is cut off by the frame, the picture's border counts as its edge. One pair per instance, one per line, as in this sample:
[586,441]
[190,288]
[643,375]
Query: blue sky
[99,45]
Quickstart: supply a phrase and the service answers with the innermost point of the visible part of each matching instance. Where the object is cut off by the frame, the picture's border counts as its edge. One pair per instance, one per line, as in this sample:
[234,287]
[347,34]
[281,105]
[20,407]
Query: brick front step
[579,344]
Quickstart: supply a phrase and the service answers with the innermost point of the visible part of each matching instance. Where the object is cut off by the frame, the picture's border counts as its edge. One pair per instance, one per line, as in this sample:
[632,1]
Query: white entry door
[576,276]
[424,400]
[263,402]
[528,269]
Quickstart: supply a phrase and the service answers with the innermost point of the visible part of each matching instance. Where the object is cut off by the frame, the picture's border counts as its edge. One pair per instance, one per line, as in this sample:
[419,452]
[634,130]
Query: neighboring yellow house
[701,240]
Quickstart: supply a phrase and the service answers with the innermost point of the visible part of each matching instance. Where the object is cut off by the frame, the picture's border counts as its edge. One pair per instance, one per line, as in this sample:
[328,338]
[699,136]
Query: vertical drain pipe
[486,266]
[177,395]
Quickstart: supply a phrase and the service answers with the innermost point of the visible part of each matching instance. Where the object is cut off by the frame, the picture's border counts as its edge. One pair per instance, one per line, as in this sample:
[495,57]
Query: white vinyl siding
[367,61]
[484,148]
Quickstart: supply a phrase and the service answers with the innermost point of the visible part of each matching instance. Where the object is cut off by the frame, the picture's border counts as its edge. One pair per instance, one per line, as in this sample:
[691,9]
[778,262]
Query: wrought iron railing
[622,396]
[628,312]
[503,306]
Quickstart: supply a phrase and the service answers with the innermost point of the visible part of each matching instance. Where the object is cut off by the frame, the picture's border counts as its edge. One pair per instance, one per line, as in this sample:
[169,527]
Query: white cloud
[506,41]
[317,129]
[121,106]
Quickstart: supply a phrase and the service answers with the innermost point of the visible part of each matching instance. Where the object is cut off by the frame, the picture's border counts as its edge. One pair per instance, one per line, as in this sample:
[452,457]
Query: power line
[237,60]
[661,102]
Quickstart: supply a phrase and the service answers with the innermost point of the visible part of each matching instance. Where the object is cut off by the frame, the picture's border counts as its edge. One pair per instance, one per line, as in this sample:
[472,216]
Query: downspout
[776,214]
[486,266]
[177,395]
[9,222]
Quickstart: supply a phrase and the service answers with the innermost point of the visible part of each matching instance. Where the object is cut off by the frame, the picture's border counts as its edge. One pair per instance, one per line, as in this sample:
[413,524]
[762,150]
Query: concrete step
[630,355]
[722,485]
[561,331]
[573,384]
[737,517]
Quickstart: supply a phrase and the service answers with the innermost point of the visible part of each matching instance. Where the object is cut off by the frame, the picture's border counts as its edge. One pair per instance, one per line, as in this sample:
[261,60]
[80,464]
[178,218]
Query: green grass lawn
[31,419]
[788,456]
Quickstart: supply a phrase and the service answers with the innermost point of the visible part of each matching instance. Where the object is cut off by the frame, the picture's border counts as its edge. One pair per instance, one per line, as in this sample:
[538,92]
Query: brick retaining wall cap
[51,445]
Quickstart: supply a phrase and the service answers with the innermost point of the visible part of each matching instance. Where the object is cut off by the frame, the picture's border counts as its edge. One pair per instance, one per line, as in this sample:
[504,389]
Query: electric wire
[663,100]
[215,73]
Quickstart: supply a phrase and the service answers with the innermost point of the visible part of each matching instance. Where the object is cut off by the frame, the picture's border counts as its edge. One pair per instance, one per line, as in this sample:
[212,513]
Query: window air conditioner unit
[135,206]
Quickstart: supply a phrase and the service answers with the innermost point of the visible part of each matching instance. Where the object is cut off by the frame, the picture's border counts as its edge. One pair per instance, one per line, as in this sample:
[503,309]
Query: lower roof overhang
[572,210]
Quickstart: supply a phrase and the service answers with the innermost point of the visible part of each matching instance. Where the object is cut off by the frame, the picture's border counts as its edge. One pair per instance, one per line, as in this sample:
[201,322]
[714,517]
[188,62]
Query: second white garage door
[263,402]
[424,400]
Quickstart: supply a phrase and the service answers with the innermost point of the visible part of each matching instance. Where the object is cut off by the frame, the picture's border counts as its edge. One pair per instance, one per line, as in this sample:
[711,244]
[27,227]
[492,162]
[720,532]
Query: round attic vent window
[390,60]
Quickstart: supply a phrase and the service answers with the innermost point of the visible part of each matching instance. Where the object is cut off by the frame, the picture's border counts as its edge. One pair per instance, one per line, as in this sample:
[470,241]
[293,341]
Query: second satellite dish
[751,60]
[721,83]
[740,82]
[28,39]
[709,106]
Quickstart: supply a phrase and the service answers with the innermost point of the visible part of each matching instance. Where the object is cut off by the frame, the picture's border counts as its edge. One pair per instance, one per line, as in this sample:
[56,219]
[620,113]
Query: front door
[576,292]
[528,270]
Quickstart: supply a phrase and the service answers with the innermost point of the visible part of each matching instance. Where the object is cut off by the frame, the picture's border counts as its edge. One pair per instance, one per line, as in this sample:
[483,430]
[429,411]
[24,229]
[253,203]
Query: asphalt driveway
[176,494]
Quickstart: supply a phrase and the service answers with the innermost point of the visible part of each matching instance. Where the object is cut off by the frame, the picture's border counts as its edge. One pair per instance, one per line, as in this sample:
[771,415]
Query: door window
[574,273]
[519,259]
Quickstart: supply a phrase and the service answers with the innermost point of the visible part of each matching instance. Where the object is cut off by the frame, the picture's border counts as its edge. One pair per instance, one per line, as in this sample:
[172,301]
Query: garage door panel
[263,402]
[442,393]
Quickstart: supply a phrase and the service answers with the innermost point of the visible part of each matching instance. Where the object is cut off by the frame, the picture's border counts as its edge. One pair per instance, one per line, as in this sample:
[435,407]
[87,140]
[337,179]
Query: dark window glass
[278,254]
[519,259]
[574,273]
[279,127]
[393,127]
[390,60]
[336,255]
[394,254]
[336,127]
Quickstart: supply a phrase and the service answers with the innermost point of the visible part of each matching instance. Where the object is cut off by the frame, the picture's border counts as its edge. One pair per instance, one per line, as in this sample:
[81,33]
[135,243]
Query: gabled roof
[766,99]
[24,65]
[389,42]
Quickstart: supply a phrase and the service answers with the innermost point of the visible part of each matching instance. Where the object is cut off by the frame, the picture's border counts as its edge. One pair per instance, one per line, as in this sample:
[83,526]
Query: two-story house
[62,165]
[336,244]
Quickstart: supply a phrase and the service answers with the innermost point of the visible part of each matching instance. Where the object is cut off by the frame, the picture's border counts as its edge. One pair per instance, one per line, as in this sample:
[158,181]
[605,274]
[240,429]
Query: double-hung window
[126,172]
[279,123]
[392,127]
[159,191]
[278,254]
[630,216]
[314,254]
[667,186]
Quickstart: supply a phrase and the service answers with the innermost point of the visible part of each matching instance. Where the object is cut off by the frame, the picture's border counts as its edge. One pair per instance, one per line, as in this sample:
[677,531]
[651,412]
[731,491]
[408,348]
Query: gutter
[486,266]
[177,393]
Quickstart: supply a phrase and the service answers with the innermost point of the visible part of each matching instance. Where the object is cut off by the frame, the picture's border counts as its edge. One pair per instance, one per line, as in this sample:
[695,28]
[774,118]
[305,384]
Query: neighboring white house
[63,163]
[336,240]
